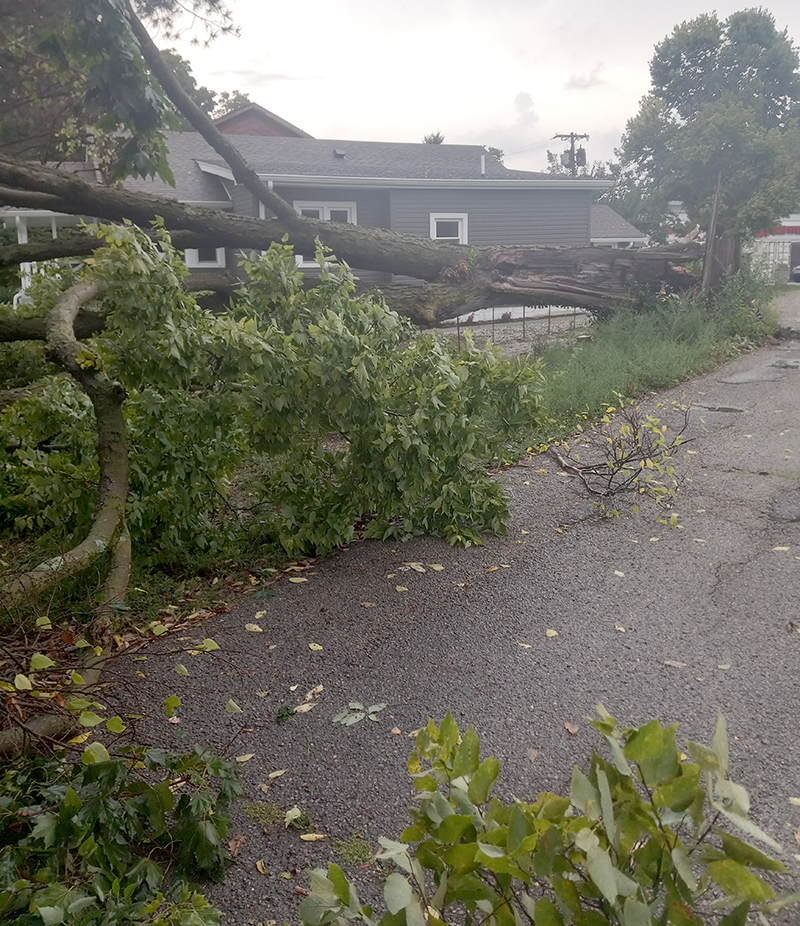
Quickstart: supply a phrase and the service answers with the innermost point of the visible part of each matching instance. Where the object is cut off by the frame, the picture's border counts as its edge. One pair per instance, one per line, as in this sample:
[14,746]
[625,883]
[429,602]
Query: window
[326,212]
[205,258]
[449,226]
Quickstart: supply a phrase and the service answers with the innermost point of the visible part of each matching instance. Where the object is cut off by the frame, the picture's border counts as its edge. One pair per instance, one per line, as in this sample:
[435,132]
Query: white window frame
[463,225]
[325,208]
[193,262]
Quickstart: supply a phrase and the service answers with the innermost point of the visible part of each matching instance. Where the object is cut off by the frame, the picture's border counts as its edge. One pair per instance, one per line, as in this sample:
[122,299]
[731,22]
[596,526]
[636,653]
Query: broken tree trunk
[592,278]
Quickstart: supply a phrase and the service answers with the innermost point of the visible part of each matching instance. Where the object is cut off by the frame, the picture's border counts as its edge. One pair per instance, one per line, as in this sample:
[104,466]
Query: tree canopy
[720,123]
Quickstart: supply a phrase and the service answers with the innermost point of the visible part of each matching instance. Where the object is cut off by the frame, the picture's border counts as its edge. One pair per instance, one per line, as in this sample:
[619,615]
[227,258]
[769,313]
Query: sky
[506,73]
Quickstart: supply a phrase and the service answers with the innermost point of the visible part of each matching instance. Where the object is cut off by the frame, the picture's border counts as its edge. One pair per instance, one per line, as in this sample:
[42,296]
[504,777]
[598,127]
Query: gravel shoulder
[709,618]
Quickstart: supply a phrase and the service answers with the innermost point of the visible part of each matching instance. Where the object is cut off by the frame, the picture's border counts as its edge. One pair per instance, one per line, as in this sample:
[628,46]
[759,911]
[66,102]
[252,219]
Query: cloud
[519,134]
[585,81]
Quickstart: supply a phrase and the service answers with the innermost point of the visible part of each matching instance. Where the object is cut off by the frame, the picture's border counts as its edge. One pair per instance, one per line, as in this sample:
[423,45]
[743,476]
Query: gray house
[455,193]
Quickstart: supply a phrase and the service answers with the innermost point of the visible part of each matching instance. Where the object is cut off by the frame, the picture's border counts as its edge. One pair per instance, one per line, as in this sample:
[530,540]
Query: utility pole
[573,159]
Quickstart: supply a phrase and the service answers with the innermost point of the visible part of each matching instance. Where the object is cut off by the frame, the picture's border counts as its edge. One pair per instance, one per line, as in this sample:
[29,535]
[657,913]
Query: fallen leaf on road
[246,757]
[232,707]
[235,844]
[278,773]
[460,584]
[293,687]
[673,664]
[261,867]
[779,549]
[304,708]
[367,604]
[417,567]
[493,569]
[291,816]
[436,567]
[253,628]
[395,731]
[699,540]
[264,788]
[390,575]
[258,615]
[724,665]
[654,539]
[524,645]
[312,837]
[532,754]
[551,633]
[618,572]
[315,646]
[571,728]
[620,628]
[524,532]
[297,579]
[401,588]
[504,566]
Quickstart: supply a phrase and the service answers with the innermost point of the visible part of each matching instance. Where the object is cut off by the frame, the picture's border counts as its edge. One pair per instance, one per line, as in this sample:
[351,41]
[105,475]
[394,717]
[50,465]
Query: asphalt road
[709,612]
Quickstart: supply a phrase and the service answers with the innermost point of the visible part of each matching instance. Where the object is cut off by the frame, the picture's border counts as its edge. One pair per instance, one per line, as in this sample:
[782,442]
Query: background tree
[719,126]
[433,138]
[229,102]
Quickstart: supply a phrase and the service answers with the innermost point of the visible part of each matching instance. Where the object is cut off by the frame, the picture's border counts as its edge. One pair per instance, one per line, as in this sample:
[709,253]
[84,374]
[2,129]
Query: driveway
[652,621]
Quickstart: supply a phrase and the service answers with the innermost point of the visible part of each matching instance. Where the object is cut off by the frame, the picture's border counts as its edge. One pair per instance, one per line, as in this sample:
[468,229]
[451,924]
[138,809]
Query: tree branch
[107,398]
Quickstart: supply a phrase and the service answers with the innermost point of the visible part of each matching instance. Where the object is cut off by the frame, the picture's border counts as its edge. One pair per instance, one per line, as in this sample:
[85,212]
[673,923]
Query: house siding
[546,218]
[372,211]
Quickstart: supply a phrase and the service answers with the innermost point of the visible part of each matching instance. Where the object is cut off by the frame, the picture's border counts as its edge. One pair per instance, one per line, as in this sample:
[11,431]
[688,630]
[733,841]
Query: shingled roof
[607,225]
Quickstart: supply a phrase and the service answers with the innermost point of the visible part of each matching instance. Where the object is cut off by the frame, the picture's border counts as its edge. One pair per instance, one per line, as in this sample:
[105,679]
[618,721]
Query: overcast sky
[508,73]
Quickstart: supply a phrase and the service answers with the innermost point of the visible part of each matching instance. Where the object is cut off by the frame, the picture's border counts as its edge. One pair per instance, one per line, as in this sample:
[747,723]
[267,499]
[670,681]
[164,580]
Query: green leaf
[644,743]
[636,913]
[584,796]
[679,793]
[341,886]
[684,867]
[397,892]
[720,743]
[181,669]
[453,827]
[747,826]
[545,912]
[170,704]
[448,736]
[602,872]
[738,916]
[232,707]
[467,757]
[22,683]
[208,645]
[40,661]
[51,916]
[115,725]
[737,881]
[743,852]
[95,752]
[89,719]
[482,780]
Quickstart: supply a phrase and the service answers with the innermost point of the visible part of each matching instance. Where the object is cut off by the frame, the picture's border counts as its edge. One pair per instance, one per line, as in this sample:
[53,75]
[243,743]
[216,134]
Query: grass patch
[265,813]
[660,345]
[354,850]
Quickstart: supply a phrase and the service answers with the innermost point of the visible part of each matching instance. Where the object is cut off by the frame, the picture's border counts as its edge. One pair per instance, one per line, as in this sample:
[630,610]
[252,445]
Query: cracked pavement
[654,622]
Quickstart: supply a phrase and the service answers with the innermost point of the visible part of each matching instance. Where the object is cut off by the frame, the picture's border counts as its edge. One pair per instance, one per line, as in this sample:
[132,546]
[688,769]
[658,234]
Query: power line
[573,159]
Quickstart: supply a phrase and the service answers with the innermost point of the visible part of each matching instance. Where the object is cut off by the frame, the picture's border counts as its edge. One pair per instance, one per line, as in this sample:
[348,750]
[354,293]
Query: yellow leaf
[552,633]
[620,628]
[297,579]
[493,569]
[504,566]
[618,572]
[699,540]
[417,567]
[524,532]
[80,738]
[253,628]
[524,645]
[312,837]
[246,757]
[261,867]
[390,575]
[436,567]
[654,539]
[779,549]
[258,615]
[315,646]
[277,773]
[22,683]
[367,604]
[401,588]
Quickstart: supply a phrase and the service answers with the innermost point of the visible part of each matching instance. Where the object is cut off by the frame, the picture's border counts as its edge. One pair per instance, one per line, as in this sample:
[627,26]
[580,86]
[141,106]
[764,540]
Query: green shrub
[92,843]
[642,840]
